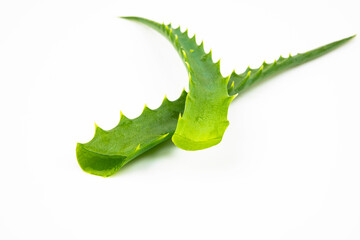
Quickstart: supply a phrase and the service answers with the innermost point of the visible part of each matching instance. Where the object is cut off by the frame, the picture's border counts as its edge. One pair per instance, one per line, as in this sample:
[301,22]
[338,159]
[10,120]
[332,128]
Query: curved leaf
[204,120]
[109,150]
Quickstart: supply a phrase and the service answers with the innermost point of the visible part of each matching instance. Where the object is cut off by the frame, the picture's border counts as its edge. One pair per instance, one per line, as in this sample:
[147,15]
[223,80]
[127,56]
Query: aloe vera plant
[201,125]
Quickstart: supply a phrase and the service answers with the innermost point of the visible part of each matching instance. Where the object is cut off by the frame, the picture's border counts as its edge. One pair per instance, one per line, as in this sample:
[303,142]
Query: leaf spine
[258,73]
[186,33]
[137,148]
[146,109]
[163,136]
[123,117]
[201,46]
[226,80]
[165,100]
[183,93]
[233,97]
[247,77]
[217,64]
[98,130]
[260,70]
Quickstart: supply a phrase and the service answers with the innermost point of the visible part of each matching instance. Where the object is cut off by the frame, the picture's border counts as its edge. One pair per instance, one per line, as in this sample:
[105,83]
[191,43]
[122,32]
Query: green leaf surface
[239,83]
[109,150]
[204,120]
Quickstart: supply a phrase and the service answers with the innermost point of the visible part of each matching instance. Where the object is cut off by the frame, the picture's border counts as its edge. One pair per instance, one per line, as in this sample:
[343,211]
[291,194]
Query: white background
[287,168]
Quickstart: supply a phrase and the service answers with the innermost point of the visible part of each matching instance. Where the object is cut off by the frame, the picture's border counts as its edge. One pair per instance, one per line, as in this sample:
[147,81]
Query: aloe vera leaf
[108,152]
[239,83]
[204,120]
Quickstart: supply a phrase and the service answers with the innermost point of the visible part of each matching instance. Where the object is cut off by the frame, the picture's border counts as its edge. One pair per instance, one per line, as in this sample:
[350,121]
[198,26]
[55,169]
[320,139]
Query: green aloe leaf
[109,150]
[204,120]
